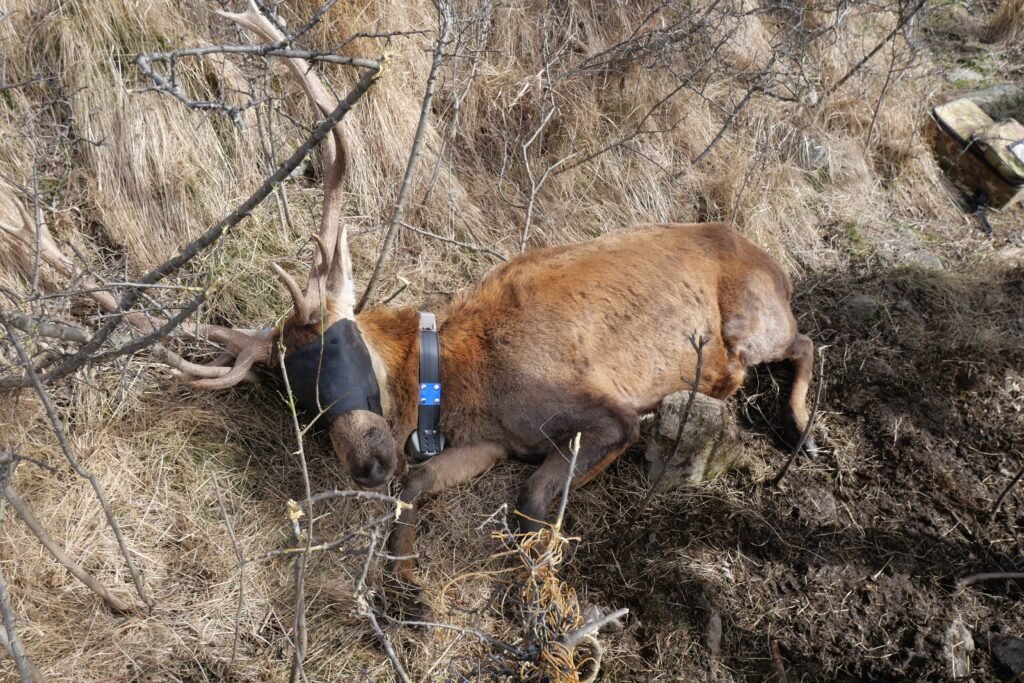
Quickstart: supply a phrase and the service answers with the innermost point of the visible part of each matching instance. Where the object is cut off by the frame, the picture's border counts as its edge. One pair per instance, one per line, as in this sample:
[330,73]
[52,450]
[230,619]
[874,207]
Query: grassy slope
[130,175]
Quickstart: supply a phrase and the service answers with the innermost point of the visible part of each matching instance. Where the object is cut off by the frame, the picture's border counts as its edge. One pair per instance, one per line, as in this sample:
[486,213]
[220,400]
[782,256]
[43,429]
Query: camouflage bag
[984,158]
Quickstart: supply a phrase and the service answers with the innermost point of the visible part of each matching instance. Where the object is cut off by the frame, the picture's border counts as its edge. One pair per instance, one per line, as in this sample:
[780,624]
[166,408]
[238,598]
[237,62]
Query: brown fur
[577,338]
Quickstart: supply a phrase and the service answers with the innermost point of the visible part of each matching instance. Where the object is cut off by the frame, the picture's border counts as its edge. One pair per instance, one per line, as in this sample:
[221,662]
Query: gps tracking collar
[427,441]
[334,374]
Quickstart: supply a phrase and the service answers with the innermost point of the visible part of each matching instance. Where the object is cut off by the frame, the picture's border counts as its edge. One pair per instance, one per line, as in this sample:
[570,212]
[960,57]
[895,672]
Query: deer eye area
[333,374]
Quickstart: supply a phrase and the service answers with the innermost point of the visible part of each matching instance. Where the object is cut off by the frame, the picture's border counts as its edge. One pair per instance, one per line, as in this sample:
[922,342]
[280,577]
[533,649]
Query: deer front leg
[451,467]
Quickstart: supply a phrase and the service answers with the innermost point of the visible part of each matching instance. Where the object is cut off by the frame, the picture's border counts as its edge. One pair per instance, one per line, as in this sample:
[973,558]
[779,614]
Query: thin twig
[892,34]
[698,345]
[11,642]
[444,31]
[1006,491]
[62,558]
[61,434]
[449,240]
[365,610]
[573,638]
[574,449]
[299,639]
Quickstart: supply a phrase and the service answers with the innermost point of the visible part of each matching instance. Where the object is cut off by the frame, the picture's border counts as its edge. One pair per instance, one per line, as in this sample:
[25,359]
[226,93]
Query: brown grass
[128,176]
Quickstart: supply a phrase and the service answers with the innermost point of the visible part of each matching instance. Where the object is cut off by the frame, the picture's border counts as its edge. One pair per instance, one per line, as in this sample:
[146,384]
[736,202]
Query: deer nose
[372,475]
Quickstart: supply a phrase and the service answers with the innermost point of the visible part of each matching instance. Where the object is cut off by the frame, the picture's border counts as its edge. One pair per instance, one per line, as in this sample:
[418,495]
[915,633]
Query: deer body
[580,338]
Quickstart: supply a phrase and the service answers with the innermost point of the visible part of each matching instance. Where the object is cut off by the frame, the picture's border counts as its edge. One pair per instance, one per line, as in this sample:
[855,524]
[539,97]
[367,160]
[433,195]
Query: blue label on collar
[430,394]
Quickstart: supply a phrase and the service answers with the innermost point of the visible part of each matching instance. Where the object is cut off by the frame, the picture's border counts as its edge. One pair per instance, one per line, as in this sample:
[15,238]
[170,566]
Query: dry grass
[127,176]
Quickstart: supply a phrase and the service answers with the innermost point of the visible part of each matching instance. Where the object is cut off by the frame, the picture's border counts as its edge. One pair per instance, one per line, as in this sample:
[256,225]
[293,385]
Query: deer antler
[249,346]
[330,274]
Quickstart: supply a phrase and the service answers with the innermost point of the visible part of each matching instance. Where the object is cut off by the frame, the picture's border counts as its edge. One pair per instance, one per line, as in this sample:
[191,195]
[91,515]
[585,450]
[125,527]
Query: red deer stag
[578,338]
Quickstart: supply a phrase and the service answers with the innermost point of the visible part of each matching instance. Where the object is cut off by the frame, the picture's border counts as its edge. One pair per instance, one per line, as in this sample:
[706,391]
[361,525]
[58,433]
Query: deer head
[328,365]
[329,368]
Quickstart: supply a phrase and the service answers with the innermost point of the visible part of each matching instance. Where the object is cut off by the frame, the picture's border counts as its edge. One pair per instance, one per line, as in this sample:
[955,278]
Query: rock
[922,258]
[877,370]
[959,646]
[821,505]
[812,155]
[1003,101]
[1009,652]
[966,76]
[707,447]
[858,309]
[1009,259]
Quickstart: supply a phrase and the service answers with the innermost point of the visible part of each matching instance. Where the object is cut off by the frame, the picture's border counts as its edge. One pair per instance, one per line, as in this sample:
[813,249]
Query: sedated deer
[579,338]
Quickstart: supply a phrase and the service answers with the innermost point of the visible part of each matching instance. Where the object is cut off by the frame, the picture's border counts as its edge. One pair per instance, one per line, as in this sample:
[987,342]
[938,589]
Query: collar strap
[334,374]
[427,441]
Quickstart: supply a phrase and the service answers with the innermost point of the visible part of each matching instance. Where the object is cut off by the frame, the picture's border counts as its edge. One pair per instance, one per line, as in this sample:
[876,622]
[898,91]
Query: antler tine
[259,351]
[302,308]
[334,159]
[250,346]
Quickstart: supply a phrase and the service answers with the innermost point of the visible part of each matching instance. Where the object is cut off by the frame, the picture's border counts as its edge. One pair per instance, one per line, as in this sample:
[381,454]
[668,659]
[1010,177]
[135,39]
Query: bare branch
[26,671]
[115,603]
[810,421]
[457,243]
[59,432]
[444,16]
[1006,491]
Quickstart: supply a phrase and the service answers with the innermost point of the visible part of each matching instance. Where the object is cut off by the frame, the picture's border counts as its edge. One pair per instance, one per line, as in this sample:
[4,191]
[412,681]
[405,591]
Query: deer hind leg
[794,415]
[601,442]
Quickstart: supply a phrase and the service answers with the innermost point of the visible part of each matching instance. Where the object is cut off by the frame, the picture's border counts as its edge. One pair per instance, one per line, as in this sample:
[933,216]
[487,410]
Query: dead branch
[26,671]
[810,421]
[903,21]
[366,611]
[1006,491]
[295,514]
[115,603]
[572,639]
[698,345]
[445,20]
[48,328]
[61,434]
[462,245]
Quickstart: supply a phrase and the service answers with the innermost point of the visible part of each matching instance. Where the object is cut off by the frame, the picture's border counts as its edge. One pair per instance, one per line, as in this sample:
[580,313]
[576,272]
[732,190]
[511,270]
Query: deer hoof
[404,603]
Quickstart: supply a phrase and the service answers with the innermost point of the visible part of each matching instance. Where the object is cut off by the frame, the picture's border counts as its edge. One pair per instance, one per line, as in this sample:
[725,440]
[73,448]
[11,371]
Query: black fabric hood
[334,374]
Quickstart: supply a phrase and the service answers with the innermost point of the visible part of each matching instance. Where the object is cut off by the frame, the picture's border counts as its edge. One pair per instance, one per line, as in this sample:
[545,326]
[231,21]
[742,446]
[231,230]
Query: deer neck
[392,337]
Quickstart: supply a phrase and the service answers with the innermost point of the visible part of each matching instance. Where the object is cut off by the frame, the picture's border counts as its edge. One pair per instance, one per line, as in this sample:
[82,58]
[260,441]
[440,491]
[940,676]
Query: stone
[859,309]
[964,76]
[812,155]
[1009,259]
[1003,101]
[921,258]
[959,647]
[821,505]
[1009,652]
[707,447]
